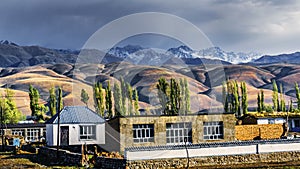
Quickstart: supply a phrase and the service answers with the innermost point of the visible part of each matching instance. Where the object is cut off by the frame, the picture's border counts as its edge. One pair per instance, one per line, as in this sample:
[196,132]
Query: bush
[269,109]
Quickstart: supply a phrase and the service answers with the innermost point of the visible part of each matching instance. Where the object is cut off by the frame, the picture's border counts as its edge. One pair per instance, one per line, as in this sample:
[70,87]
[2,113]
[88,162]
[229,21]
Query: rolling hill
[44,68]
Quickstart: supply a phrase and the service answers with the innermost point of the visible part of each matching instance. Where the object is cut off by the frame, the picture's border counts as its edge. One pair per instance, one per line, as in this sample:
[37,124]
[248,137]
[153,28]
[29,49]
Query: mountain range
[13,55]
[141,67]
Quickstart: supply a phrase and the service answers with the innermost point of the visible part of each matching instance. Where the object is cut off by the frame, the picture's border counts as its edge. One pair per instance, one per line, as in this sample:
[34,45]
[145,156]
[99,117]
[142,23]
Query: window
[271,121]
[32,135]
[87,133]
[19,132]
[177,132]
[143,133]
[213,130]
[297,123]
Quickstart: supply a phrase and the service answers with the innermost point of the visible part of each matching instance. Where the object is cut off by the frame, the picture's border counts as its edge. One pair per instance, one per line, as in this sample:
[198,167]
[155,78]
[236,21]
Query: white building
[270,120]
[78,125]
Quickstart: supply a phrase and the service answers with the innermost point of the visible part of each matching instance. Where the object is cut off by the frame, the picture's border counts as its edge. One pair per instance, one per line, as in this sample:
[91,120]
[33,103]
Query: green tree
[187,97]
[38,110]
[108,98]
[118,100]
[244,98]
[124,96]
[60,99]
[224,97]
[275,96]
[99,98]
[258,103]
[291,108]
[162,87]
[262,100]
[174,97]
[84,97]
[130,99]
[297,95]
[34,99]
[11,114]
[136,102]
[52,101]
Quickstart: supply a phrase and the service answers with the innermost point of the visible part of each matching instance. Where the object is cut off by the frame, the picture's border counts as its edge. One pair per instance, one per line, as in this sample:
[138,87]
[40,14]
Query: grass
[24,160]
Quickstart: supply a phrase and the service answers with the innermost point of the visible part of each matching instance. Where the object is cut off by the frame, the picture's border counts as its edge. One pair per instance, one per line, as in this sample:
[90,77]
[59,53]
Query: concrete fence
[212,149]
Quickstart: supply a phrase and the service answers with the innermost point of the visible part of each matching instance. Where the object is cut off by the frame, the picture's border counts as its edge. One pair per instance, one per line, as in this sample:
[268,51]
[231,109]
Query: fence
[212,149]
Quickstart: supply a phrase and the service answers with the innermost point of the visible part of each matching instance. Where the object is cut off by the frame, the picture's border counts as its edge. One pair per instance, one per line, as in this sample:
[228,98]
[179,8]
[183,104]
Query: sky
[268,27]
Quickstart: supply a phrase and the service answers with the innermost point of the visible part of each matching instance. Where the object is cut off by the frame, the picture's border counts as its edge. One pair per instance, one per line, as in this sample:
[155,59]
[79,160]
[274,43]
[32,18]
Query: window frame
[143,133]
[87,132]
[213,130]
[176,133]
[32,134]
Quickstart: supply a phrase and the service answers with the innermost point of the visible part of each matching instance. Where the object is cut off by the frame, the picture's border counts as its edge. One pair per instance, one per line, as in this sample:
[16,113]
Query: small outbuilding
[78,125]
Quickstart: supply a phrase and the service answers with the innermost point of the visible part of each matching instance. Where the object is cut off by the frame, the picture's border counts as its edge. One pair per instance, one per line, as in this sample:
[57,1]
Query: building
[78,125]
[294,124]
[32,132]
[137,131]
[252,119]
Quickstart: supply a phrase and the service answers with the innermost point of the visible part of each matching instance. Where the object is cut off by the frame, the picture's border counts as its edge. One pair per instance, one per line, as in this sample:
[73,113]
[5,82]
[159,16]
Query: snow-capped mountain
[184,52]
[124,52]
[6,42]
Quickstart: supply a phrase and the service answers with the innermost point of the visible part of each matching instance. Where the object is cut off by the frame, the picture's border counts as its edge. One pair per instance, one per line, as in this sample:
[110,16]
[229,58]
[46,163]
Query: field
[25,160]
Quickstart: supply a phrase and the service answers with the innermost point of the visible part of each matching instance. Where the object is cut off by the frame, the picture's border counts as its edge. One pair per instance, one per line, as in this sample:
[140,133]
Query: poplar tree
[262,100]
[297,95]
[34,99]
[244,98]
[60,99]
[38,110]
[162,87]
[130,99]
[275,96]
[187,97]
[291,108]
[258,103]
[99,98]
[123,96]
[136,102]
[174,97]
[52,100]
[118,100]
[182,110]
[108,98]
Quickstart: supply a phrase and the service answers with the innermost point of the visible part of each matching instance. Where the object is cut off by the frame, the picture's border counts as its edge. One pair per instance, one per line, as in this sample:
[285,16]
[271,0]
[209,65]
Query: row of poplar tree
[11,114]
[235,99]
[232,101]
[174,96]
[121,100]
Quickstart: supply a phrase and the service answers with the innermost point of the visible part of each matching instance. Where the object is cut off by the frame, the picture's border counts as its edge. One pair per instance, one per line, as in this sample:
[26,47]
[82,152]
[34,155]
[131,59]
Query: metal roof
[76,115]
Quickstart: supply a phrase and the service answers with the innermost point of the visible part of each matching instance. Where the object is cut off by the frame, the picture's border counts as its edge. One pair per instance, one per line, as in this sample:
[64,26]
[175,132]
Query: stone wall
[66,158]
[213,161]
[102,162]
[125,126]
[260,131]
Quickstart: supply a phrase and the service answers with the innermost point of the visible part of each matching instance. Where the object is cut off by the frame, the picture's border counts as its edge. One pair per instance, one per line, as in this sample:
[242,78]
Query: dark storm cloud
[238,25]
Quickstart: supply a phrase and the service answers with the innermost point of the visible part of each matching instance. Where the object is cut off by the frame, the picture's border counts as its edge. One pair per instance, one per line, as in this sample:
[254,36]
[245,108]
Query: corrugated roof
[76,115]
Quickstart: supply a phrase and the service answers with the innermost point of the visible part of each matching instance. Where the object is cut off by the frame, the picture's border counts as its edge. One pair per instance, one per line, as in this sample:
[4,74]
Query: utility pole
[58,121]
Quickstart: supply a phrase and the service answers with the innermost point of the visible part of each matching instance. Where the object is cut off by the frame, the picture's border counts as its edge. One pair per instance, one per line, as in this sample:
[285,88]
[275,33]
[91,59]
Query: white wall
[49,134]
[262,121]
[51,138]
[213,151]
